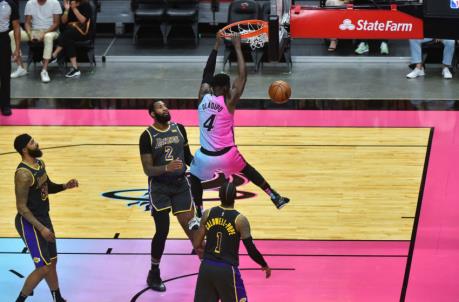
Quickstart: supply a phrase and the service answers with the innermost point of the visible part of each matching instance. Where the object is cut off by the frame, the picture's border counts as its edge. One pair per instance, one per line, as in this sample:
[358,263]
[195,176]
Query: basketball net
[252,32]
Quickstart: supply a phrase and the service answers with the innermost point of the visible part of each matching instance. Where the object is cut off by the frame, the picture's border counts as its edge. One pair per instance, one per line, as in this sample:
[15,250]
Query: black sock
[56,295]
[257,179]
[21,298]
[196,191]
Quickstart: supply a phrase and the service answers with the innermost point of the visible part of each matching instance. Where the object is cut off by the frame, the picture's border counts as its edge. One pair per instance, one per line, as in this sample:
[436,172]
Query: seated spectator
[364,45]
[416,57]
[335,3]
[41,25]
[77,20]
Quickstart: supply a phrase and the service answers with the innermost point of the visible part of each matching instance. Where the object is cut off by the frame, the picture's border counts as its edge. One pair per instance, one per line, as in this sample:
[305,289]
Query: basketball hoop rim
[257,32]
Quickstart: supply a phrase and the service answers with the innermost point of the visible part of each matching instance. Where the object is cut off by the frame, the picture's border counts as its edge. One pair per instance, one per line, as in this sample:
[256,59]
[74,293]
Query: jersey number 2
[168,150]
[209,123]
[218,248]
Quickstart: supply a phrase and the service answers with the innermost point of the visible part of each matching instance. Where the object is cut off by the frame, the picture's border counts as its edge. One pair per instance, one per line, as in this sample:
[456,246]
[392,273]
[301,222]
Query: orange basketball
[279,92]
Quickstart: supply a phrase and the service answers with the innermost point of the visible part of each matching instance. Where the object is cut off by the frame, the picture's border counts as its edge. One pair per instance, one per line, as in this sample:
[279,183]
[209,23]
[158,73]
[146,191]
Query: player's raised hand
[218,39]
[73,183]
[267,271]
[174,165]
[236,39]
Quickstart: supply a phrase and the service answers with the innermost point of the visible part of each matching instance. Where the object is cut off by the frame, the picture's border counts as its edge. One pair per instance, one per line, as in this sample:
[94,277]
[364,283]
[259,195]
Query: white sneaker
[44,76]
[446,73]
[18,73]
[416,73]
[384,48]
[362,48]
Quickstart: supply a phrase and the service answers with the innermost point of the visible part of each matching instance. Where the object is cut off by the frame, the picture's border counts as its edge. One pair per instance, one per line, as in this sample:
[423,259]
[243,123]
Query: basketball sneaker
[154,280]
[74,72]
[362,48]
[279,201]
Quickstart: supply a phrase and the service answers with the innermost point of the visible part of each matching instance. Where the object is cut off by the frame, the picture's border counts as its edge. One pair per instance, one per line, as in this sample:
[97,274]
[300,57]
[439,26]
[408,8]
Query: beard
[35,153]
[163,118]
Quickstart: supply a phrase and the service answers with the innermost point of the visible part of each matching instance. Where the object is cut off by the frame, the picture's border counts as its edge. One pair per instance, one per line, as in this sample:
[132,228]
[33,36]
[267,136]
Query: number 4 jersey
[215,123]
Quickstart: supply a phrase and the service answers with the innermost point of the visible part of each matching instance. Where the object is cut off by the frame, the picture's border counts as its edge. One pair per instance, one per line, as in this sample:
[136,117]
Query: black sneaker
[74,72]
[279,201]
[6,111]
[154,281]
[52,60]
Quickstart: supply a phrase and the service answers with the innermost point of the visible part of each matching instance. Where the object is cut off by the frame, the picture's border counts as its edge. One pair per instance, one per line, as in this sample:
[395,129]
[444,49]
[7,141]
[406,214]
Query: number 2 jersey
[215,123]
[222,237]
[165,146]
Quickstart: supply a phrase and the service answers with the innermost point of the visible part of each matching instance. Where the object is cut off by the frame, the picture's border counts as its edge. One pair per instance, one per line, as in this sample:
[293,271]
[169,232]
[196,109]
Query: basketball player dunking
[33,223]
[219,277]
[216,122]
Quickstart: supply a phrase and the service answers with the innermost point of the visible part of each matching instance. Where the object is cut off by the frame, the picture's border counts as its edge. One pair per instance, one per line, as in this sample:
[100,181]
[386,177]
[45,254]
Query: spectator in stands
[9,17]
[416,57]
[42,18]
[77,20]
[335,3]
[363,46]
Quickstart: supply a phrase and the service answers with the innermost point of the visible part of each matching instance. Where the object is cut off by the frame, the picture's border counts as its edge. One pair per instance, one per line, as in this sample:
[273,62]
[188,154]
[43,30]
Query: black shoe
[74,72]
[154,281]
[279,201]
[6,111]
[52,60]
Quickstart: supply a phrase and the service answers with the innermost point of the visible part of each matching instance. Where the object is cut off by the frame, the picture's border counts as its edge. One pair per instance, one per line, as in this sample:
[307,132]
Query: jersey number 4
[209,123]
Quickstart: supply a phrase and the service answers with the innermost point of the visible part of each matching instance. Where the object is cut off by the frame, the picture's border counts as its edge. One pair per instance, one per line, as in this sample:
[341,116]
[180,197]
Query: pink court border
[435,265]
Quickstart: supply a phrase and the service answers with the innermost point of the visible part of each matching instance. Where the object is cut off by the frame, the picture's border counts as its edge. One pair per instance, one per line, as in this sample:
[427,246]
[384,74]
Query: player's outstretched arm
[239,83]
[209,70]
[54,188]
[243,227]
[200,234]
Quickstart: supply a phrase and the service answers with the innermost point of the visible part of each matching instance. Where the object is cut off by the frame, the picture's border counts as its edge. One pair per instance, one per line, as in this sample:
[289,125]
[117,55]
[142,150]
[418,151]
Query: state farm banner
[350,23]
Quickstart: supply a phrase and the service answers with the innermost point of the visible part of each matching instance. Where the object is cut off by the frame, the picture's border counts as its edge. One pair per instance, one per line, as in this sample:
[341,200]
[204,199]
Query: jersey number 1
[218,248]
[209,123]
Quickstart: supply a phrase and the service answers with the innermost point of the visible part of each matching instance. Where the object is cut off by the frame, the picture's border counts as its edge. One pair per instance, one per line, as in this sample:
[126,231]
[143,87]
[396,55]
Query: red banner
[350,23]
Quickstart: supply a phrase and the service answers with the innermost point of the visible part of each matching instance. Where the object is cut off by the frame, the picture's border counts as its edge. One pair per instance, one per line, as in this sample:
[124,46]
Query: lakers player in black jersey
[223,227]
[164,153]
[33,223]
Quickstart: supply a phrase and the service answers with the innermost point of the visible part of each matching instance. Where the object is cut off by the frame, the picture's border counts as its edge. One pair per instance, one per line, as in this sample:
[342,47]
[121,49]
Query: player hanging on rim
[223,226]
[164,151]
[216,109]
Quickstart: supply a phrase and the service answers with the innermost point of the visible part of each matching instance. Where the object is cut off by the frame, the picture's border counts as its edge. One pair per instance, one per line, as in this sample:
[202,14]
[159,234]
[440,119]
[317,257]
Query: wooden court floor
[344,183]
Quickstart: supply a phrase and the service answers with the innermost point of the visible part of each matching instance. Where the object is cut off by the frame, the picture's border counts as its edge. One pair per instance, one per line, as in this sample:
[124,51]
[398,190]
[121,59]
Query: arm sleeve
[209,70]
[253,252]
[186,146]
[54,188]
[145,143]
